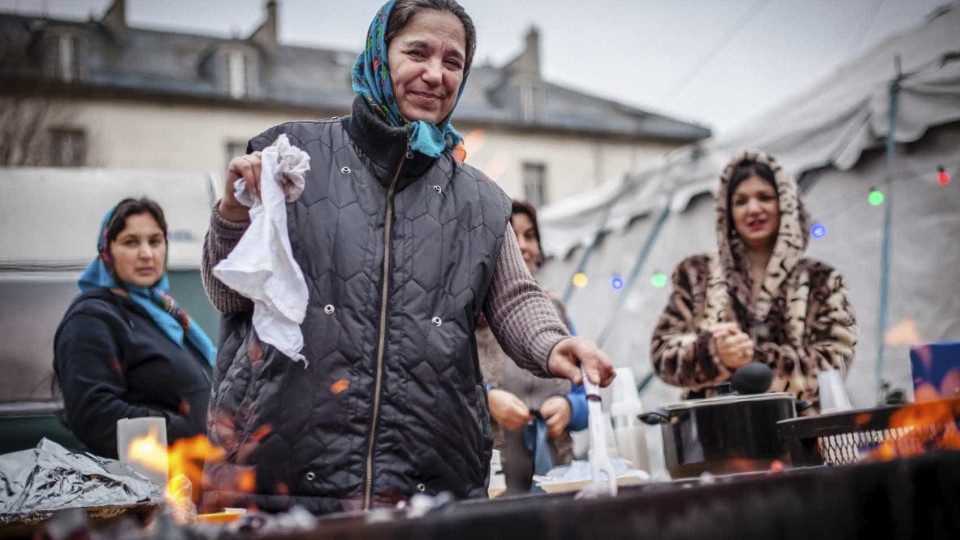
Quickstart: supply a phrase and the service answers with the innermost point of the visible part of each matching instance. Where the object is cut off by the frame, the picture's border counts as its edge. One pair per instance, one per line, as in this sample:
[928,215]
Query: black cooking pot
[728,433]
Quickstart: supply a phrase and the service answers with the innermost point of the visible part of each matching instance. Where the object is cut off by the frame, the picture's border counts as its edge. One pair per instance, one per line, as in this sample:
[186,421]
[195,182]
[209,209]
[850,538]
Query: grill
[849,437]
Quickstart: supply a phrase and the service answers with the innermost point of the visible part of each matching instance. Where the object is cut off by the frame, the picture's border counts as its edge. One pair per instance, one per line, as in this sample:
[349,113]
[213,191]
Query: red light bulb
[943,177]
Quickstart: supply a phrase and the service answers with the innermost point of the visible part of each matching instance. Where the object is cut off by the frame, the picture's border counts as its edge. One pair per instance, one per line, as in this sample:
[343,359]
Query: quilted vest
[392,401]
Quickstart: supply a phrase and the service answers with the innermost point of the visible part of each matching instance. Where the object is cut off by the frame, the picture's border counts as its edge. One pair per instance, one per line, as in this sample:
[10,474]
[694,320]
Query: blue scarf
[371,79]
[173,321]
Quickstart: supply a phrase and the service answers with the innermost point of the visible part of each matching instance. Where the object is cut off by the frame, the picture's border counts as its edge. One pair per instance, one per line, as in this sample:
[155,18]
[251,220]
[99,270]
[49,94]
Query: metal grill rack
[848,437]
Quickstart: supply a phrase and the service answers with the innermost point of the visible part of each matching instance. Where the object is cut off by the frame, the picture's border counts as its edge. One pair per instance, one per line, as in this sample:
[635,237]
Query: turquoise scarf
[162,308]
[371,79]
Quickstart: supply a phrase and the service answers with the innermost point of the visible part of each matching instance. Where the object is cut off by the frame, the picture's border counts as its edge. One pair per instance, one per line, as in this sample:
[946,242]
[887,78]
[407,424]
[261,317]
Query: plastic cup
[833,395]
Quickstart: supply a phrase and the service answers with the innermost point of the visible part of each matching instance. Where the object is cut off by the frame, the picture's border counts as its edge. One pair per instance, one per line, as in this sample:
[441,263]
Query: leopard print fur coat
[801,322]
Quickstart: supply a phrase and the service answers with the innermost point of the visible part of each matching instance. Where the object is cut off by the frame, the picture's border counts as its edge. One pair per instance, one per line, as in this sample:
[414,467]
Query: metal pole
[635,271]
[885,238]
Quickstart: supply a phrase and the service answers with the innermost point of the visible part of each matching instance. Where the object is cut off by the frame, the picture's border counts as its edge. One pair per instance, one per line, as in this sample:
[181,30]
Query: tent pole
[588,252]
[635,271]
[885,238]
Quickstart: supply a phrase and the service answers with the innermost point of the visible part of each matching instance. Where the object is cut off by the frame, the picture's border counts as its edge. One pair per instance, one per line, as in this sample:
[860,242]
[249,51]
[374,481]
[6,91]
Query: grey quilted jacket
[399,252]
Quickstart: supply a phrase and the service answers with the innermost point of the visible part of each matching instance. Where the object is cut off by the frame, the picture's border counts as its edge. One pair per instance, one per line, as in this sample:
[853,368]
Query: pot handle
[654,417]
[803,405]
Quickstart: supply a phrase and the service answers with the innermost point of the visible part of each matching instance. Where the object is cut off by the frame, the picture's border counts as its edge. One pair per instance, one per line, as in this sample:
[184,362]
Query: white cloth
[261,266]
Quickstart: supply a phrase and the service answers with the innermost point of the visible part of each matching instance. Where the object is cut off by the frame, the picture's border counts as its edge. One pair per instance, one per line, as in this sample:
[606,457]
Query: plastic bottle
[627,429]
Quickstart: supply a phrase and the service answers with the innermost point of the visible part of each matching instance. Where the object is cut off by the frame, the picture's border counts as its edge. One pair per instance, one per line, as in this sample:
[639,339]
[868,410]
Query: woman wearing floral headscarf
[757,299]
[402,247]
[124,349]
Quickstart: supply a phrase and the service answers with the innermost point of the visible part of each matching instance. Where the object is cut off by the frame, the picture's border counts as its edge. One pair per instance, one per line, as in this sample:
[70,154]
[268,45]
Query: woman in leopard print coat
[757,299]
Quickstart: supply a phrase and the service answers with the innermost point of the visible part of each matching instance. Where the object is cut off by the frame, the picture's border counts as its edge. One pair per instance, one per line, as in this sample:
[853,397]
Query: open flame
[919,428]
[183,463]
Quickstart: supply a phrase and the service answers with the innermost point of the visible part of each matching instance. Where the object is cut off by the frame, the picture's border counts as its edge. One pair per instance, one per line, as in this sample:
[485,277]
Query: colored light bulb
[876,197]
[943,177]
[580,280]
[616,283]
[659,280]
[819,230]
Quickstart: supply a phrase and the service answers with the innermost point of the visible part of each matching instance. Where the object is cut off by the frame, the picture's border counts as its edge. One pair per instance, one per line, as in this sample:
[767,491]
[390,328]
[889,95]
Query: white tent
[832,137]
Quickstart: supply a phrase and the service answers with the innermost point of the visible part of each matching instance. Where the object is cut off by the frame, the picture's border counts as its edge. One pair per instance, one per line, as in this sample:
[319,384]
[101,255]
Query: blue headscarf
[371,79]
[173,321]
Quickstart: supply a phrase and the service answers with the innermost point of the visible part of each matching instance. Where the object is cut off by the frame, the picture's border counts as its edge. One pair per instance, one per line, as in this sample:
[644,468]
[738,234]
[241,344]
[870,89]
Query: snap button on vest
[438,189]
[345,170]
[421,488]
[437,321]
[328,309]
[311,476]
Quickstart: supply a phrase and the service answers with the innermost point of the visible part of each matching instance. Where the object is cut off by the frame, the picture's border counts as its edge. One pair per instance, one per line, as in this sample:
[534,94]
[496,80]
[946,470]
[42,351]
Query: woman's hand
[734,347]
[556,411]
[508,410]
[248,168]
[570,353]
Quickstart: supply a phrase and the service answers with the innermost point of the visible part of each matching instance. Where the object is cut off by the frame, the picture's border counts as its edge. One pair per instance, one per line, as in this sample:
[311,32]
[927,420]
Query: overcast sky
[717,62]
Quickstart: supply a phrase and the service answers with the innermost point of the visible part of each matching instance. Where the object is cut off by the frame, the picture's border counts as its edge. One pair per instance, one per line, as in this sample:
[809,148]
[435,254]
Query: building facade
[100,93]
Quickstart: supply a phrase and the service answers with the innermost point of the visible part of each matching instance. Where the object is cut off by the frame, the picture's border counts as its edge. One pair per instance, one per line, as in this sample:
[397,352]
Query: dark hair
[744,170]
[527,209]
[405,10]
[133,207]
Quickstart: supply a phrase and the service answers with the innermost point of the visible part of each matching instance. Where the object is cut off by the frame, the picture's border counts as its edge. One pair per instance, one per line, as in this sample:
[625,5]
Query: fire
[921,427]
[183,464]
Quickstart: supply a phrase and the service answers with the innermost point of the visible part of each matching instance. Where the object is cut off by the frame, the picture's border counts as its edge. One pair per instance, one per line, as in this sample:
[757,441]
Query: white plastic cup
[628,431]
[833,395]
[130,429]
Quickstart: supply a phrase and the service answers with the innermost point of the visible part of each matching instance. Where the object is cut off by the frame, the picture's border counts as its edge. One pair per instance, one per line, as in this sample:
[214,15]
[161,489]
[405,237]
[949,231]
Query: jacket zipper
[387,225]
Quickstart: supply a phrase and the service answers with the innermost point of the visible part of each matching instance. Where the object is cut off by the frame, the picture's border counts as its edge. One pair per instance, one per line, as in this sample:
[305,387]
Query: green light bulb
[876,197]
[659,280]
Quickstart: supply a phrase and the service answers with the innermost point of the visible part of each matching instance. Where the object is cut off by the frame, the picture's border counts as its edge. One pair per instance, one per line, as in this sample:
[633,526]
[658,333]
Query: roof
[42,226]
[831,124]
[188,65]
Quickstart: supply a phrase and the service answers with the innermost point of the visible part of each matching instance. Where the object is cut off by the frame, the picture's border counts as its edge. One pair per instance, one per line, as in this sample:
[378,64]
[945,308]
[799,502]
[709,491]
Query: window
[534,183]
[63,58]
[234,149]
[68,147]
[237,74]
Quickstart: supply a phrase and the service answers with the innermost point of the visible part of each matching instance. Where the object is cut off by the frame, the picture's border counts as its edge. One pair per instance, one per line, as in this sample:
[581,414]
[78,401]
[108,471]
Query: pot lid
[731,398]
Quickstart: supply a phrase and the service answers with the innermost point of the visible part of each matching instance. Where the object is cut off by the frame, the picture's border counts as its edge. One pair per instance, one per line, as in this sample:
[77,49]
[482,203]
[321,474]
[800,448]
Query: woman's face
[527,239]
[756,212]
[139,251]
[426,62]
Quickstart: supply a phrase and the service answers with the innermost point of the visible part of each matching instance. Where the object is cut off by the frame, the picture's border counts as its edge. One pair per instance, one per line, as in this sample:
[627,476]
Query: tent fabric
[832,137]
[830,125]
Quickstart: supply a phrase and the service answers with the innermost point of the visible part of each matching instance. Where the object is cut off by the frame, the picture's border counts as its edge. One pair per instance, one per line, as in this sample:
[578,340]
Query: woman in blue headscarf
[402,247]
[124,349]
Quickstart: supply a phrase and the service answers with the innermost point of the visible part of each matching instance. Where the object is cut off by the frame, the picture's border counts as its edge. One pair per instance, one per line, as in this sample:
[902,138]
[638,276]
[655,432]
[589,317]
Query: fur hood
[787,251]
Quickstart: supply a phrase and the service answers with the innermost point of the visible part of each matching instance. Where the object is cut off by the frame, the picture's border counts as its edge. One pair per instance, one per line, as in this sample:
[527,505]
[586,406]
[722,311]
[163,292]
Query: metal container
[725,434]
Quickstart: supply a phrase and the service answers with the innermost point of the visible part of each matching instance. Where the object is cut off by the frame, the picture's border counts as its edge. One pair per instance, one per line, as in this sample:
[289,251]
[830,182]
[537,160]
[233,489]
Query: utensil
[599,458]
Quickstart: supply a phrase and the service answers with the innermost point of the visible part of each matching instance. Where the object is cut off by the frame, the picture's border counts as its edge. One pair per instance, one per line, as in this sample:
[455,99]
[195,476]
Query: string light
[819,230]
[580,280]
[659,280]
[876,197]
[943,177]
[616,283]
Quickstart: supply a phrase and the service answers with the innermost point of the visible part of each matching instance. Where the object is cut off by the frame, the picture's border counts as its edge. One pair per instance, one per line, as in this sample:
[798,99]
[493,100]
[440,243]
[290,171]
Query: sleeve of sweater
[521,315]
[221,238]
[91,378]
[828,341]
[681,354]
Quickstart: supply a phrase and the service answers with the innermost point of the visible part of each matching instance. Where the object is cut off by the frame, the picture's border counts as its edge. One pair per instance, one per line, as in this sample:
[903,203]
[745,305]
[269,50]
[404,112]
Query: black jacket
[113,362]
[392,402]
